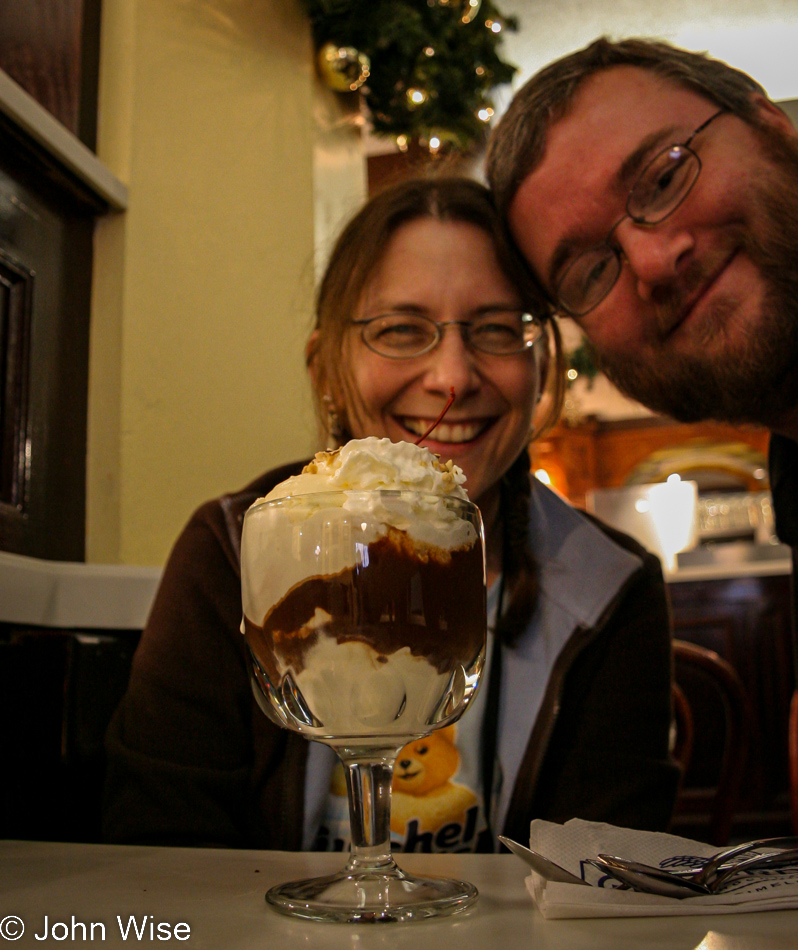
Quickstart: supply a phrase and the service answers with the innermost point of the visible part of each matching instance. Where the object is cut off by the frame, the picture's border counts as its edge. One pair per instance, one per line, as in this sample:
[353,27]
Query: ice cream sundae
[364,603]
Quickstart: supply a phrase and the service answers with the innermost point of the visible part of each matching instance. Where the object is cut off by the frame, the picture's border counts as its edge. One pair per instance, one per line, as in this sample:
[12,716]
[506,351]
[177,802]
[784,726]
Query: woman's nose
[655,254]
[452,364]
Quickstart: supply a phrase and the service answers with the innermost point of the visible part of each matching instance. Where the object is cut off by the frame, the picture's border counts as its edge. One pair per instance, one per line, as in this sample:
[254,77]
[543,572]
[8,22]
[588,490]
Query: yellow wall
[203,288]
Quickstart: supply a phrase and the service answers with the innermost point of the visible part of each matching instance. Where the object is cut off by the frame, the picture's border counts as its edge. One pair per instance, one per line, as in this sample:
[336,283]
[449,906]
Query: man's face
[702,320]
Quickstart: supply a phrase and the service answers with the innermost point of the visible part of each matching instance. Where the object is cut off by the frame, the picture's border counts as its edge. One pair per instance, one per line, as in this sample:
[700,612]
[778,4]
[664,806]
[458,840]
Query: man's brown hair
[517,144]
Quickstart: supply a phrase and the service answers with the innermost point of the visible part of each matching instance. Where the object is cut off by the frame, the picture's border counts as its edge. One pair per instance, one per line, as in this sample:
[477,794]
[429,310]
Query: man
[654,193]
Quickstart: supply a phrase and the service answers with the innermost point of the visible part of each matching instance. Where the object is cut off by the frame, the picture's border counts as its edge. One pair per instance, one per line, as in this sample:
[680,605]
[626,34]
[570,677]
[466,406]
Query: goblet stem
[368,779]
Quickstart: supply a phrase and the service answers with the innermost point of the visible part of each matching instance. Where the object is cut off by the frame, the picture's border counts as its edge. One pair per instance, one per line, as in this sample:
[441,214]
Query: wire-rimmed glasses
[400,336]
[660,188]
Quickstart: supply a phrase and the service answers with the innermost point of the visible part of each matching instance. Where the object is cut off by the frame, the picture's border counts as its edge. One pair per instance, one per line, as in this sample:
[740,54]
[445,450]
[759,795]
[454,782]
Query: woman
[422,297]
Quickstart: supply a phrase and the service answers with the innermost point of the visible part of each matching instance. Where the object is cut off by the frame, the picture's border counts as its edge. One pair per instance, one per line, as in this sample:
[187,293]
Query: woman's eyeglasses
[405,335]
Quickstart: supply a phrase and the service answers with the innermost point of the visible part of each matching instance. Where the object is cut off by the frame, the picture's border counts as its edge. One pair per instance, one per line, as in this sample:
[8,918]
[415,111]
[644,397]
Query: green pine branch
[394,34]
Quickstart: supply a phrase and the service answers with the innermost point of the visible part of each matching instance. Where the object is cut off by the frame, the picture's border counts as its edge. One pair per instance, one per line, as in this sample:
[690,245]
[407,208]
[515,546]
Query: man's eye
[591,271]
[665,179]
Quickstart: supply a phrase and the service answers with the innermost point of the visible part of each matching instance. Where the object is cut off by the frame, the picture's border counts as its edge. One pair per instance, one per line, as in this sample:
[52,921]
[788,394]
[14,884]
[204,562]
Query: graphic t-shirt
[437,800]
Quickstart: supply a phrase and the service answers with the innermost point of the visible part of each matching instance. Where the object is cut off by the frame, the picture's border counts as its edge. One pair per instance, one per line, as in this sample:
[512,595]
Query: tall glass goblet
[364,614]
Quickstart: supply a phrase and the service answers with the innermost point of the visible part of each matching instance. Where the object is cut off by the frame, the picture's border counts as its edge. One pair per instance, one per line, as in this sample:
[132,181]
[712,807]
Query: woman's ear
[311,348]
[314,365]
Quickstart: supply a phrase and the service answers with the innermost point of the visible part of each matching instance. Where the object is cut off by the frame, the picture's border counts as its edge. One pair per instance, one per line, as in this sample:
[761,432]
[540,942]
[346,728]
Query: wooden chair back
[714,754]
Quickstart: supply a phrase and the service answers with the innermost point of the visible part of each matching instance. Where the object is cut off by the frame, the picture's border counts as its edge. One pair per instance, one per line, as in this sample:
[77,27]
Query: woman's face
[445,271]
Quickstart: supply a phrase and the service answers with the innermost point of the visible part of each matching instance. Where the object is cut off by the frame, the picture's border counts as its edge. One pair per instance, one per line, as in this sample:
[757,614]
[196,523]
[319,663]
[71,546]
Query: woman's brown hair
[353,261]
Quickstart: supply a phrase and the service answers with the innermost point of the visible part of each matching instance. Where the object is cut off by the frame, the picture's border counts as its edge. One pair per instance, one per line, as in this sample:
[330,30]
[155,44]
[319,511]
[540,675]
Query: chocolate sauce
[394,599]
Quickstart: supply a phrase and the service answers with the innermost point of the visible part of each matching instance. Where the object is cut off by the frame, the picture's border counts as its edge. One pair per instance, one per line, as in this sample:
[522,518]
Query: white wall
[203,288]
[757,36]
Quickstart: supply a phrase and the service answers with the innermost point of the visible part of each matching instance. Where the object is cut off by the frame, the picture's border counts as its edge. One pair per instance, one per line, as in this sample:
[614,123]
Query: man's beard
[758,383]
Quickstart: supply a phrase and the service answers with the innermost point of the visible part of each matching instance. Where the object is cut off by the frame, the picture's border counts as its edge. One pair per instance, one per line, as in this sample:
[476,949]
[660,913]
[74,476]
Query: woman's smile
[449,432]
[448,272]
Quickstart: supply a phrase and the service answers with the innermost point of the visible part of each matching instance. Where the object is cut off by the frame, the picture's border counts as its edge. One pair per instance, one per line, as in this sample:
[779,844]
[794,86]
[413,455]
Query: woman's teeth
[446,431]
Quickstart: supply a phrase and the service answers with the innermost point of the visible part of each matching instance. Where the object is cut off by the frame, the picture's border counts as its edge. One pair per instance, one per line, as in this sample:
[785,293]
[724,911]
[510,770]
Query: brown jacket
[192,760]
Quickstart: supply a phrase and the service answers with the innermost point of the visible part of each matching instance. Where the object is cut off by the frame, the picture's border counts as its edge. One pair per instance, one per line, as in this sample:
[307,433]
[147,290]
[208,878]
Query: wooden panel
[16,295]
[747,621]
[51,49]
[394,166]
[46,234]
[58,690]
[597,454]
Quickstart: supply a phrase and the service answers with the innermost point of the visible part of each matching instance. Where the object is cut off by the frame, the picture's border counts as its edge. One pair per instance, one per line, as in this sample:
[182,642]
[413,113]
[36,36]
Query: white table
[219,896]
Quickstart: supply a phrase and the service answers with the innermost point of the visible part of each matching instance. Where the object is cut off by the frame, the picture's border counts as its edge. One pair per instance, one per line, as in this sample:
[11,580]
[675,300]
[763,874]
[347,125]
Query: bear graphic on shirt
[422,788]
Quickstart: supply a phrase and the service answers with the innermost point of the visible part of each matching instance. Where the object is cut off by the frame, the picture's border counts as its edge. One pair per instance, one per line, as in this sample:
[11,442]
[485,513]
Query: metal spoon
[759,862]
[706,873]
[545,868]
[710,869]
[646,879]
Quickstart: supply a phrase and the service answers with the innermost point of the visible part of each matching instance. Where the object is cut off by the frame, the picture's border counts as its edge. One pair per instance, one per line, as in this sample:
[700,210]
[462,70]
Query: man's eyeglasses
[659,190]
[405,335]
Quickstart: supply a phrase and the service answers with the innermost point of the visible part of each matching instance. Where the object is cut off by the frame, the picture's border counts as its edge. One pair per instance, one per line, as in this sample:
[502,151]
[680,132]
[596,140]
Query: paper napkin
[571,844]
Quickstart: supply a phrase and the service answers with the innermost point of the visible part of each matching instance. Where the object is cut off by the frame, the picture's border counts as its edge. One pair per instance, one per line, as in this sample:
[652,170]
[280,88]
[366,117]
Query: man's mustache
[673,299]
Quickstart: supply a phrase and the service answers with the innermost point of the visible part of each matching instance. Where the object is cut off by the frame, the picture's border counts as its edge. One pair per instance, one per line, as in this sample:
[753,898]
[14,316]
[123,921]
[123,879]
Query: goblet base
[371,896]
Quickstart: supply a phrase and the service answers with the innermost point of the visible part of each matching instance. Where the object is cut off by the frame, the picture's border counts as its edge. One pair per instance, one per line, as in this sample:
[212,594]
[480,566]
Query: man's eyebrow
[623,180]
[633,163]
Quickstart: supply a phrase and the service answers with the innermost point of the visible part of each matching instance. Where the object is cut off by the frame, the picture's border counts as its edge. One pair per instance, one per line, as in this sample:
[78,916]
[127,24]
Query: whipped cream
[349,497]
[372,463]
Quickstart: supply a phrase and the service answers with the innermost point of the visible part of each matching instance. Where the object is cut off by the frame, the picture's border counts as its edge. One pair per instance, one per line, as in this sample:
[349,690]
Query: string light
[415,96]
[485,114]
[471,10]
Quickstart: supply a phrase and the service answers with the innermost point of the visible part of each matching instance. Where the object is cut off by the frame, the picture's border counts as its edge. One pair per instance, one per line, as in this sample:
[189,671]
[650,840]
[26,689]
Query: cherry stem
[446,408]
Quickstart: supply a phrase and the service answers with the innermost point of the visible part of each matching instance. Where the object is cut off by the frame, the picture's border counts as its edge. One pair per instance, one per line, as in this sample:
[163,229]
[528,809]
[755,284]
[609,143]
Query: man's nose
[452,363]
[654,253]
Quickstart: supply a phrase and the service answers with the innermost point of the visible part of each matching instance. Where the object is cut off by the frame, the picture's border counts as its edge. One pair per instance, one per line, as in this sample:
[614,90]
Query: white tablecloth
[218,895]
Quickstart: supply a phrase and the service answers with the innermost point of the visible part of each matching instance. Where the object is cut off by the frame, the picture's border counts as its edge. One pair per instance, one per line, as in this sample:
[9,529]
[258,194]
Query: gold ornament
[343,68]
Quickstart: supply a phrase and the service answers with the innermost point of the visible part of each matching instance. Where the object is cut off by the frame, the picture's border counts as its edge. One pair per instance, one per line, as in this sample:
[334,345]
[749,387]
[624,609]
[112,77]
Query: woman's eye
[399,334]
[400,331]
[496,330]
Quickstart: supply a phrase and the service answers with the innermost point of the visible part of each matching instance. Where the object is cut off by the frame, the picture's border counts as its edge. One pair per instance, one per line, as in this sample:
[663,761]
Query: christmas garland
[425,68]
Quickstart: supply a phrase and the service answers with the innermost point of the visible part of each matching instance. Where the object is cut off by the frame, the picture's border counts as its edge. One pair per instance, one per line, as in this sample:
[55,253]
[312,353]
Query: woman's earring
[334,428]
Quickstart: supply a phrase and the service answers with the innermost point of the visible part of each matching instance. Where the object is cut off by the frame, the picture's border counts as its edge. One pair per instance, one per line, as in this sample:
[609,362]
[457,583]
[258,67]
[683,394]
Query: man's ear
[771,114]
[542,356]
